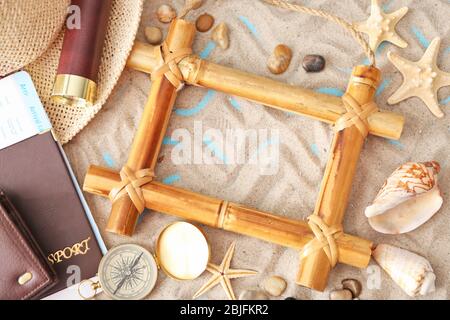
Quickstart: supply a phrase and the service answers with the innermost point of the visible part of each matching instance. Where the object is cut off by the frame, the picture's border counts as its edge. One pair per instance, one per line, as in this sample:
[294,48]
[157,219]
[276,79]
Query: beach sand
[291,191]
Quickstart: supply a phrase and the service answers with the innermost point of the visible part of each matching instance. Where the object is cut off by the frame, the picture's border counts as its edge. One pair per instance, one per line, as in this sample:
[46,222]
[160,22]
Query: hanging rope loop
[319,13]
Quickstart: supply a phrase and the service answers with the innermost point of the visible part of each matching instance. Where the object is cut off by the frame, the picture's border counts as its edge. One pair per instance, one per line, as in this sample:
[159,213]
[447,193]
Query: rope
[319,13]
[169,65]
[131,185]
[356,115]
[325,240]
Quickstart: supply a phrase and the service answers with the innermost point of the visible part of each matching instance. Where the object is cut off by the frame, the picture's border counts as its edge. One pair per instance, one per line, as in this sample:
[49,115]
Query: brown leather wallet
[24,271]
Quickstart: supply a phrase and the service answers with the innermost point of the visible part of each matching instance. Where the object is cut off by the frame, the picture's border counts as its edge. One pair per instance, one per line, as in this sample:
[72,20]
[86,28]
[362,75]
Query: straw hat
[31,35]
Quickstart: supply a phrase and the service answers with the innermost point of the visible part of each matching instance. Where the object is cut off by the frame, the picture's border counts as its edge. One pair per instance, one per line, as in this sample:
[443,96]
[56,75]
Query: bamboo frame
[232,217]
[338,177]
[271,93]
[147,143]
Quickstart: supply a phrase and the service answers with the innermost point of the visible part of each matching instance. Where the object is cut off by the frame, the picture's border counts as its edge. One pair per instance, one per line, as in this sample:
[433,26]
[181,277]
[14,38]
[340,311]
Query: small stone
[220,36]
[280,59]
[166,13]
[193,4]
[190,5]
[353,285]
[313,63]
[253,295]
[343,294]
[153,35]
[275,286]
[290,298]
[205,22]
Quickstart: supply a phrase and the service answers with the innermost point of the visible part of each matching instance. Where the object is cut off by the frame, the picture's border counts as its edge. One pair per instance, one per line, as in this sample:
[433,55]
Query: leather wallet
[25,273]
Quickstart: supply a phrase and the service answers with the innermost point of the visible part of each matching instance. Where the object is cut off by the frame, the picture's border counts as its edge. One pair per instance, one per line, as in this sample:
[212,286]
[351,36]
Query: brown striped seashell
[408,199]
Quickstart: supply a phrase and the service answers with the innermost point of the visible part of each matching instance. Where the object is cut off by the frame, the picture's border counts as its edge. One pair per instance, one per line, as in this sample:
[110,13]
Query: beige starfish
[381,26]
[222,274]
[421,79]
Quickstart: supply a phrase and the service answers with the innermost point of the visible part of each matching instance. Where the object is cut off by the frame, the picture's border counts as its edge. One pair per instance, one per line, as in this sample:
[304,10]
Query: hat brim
[27,29]
[68,121]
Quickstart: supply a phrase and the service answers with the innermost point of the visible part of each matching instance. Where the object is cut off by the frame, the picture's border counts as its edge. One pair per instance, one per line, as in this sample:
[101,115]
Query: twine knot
[169,64]
[325,238]
[356,115]
[131,185]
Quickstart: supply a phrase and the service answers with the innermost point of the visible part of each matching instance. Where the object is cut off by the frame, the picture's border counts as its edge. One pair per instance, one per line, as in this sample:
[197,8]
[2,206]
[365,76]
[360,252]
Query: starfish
[222,274]
[381,26]
[421,79]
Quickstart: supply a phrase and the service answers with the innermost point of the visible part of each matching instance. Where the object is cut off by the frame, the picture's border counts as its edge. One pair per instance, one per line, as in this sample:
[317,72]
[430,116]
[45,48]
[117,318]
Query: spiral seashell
[410,271]
[408,199]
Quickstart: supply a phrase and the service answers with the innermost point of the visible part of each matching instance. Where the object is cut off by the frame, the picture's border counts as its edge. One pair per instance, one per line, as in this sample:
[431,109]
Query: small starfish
[421,79]
[381,26]
[222,274]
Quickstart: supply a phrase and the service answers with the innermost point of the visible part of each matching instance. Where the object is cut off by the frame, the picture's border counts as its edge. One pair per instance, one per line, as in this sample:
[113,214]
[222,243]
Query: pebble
[204,22]
[220,35]
[313,63]
[353,285]
[153,35]
[343,294]
[253,295]
[193,4]
[280,59]
[275,286]
[166,13]
[290,298]
[190,5]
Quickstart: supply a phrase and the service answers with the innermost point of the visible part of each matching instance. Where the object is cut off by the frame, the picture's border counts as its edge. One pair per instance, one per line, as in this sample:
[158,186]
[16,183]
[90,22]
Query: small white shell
[220,35]
[408,199]
[410,271]
[166,13]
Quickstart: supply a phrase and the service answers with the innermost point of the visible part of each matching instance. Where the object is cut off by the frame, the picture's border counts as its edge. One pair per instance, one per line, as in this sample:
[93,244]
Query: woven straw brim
[27,29]
[122,28]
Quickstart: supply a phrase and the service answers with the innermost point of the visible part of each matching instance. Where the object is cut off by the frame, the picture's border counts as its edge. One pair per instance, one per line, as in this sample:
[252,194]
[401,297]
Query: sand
[303,144]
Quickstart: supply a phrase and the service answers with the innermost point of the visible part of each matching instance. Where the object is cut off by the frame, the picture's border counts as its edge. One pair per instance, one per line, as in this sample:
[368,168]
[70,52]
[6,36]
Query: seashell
[410,271]
[280,59]
[275,286]
[166,13]
[408,199]
[204,22]
[220,36]
[153,35]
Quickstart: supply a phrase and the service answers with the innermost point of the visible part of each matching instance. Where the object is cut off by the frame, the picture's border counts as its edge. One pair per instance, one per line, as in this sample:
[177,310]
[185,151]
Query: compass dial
[128,272]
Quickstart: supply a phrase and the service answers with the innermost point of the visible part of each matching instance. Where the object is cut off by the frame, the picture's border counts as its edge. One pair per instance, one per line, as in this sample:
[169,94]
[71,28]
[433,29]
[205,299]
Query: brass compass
[126,272]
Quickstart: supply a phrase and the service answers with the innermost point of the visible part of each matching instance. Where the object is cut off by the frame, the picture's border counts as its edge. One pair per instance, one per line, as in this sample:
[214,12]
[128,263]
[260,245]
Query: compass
[128,272]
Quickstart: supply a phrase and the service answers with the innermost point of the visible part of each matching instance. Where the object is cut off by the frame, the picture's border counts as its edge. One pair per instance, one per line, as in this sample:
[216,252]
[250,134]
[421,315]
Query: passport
[36,175]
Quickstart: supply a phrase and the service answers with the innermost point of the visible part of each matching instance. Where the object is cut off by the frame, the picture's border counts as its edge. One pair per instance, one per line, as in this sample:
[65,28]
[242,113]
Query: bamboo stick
[232,217]
[337,182]
[147,142]
[265,91]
